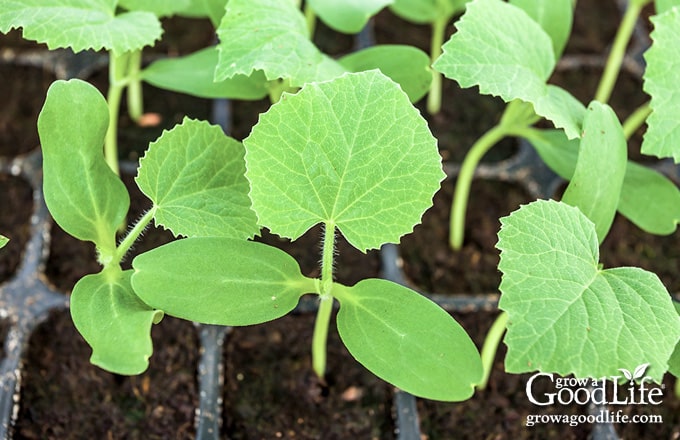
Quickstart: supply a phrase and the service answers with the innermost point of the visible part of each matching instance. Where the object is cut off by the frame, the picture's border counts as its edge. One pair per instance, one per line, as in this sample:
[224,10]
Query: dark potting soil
[16,200]
[431,265]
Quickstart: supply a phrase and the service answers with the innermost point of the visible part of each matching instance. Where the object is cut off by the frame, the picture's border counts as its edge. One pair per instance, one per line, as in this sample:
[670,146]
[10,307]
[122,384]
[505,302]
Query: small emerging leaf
[83,195]
[407,340]
[596,183]
[662,138]
[222,281]
[194,176]
[3,241]
[568,316]
[80,24]
[114,322]
[352,153]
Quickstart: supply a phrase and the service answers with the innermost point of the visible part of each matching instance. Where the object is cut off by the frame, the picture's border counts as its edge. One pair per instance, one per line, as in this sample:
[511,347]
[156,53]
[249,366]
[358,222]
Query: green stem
[117,82]
[636,119]
[677,387]
[323,316]
[517,116]
[132,236]
[618,51]
[490,347]
[434,98]
[310,18]
[134,88]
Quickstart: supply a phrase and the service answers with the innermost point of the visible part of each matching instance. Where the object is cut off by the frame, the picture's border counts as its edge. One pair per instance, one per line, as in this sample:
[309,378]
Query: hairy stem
[618,51]
[434,98]
[491,342]
[323,316]
[133,235]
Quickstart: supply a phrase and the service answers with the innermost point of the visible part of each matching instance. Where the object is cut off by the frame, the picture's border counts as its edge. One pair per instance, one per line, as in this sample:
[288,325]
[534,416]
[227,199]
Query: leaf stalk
[323,316]
[490,347]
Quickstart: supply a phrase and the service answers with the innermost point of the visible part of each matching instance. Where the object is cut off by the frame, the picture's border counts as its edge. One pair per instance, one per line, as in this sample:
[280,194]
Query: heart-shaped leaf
[115,323]
[194,176]
[80,24]
[83,195]
[662,138]
[352,153]
[222,281]
[499,48]
[407,340]
[566,315]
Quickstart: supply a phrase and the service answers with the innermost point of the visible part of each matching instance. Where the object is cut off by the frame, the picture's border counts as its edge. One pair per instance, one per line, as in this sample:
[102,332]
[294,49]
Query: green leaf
[349,16]
[194,174]
[648,198]
[408,66]
[213,9]
[83,195]
[222,281]
[662,138]
[160,8]
[114,322]
[407,340]
[3,241]
[596,184]
[664,5]
[674,361]
[193,74]
[426,11]
[80,24]
[272,36]
[352,153]
[499,48]
[568,316]
[554,16]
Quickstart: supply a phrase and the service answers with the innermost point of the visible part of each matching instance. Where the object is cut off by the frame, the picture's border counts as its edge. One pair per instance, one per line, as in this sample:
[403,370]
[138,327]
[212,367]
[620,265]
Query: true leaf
[83,195]
[113,321]
[407,340]
[554,16]
[674,361]
[272,36]
[406,65]
[664,5]
[3,241]
[352,153]
[217,280]
[193,74]
[213,9]
[349,16]
[80,24]
[194,176]
[596,183]
[566,315]
[648,199]
[499,48]
[662,138]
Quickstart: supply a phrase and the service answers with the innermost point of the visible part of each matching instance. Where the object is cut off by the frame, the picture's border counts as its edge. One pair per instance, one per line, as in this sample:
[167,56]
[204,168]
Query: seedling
[554,291]
[351,153]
